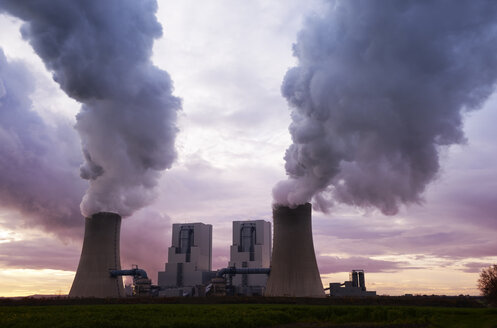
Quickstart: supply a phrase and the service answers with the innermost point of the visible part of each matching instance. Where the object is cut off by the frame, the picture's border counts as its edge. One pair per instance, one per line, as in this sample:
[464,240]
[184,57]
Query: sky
[227,61]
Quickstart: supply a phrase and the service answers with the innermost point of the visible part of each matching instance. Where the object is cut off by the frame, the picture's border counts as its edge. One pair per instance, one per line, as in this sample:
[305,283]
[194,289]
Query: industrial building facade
[356,286]
[251,248]
[189,260]
[291,266]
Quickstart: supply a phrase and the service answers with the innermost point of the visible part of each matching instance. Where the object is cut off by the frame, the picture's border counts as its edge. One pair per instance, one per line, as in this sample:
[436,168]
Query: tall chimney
[99,255]
[294,270]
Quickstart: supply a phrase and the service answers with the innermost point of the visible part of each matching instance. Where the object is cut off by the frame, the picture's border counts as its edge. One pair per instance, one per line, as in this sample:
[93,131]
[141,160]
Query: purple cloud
[39,253]
[38,163]
[144,241]
[475,267]
[334,264]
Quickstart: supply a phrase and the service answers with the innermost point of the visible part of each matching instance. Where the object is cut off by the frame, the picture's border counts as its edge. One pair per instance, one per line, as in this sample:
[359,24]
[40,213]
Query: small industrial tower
[356,286]
[357,278]
[294,270]
[189,260]
[99,255]
[251,248]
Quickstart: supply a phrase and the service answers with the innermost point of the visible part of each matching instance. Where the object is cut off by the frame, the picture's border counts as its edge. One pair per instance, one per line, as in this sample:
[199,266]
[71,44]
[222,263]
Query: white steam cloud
[99,53]
[379,87]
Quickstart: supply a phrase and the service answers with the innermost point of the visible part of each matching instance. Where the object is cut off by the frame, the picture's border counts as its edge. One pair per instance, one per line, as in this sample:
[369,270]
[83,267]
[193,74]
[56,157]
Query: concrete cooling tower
[99,255]
[294,270]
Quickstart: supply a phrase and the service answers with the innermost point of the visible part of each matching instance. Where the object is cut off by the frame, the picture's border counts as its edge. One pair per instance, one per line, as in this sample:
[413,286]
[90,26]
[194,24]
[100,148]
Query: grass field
[243,315]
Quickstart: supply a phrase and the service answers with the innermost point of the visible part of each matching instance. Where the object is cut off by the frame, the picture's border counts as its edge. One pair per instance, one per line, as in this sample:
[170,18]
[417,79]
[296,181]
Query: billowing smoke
[38,163]
[99,52]
[379,87]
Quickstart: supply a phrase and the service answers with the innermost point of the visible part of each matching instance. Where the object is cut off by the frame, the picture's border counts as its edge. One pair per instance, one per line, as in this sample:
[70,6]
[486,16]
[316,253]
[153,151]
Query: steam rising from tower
[99,53]
[379,87]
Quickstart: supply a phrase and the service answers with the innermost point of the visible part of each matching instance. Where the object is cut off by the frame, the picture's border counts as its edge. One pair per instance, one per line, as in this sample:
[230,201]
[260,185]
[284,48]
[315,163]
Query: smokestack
[99,255]
[294,270]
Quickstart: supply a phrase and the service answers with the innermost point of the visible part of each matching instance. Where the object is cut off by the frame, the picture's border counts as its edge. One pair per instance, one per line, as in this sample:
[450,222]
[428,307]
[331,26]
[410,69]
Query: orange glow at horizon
[26,282]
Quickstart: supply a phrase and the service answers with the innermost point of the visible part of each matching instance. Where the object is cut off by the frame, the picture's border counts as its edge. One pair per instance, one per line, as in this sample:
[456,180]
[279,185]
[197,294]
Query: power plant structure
[100,253]
[189,260]
[294,270]
[142,285]
[356,286]
[251,248]
[289,270]
[357,279]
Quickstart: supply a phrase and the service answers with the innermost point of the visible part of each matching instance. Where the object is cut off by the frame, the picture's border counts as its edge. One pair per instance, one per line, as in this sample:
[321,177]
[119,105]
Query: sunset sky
[227,60]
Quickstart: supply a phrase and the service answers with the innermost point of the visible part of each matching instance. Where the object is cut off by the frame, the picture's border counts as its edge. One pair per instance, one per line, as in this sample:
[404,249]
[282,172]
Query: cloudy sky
[228,61]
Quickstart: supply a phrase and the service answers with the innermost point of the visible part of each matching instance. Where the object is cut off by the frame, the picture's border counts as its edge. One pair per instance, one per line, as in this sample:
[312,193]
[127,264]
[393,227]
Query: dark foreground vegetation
[425,300]
[265,313]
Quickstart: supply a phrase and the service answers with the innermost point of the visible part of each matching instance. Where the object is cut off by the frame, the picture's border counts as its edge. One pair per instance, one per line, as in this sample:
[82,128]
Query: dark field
[81,313]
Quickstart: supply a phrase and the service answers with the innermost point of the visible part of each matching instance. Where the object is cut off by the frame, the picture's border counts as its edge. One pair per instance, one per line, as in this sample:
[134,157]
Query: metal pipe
[235,271]
[133,272]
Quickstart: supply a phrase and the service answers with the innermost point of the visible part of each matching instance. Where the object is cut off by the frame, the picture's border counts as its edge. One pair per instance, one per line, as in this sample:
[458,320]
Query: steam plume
[37,162]
[378,88]
[99,53]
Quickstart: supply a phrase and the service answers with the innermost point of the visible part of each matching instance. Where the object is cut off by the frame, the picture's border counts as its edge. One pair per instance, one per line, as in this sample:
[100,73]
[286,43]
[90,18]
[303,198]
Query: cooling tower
[294,270]
[99,255]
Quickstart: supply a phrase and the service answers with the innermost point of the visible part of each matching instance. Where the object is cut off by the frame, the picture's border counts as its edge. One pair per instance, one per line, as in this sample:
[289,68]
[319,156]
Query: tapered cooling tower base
[99,255]
[294,270]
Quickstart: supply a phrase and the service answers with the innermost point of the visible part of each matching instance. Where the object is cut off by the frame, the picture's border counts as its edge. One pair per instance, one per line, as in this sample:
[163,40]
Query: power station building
[189,260]
[251,248]
[291,263]
[356,286]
